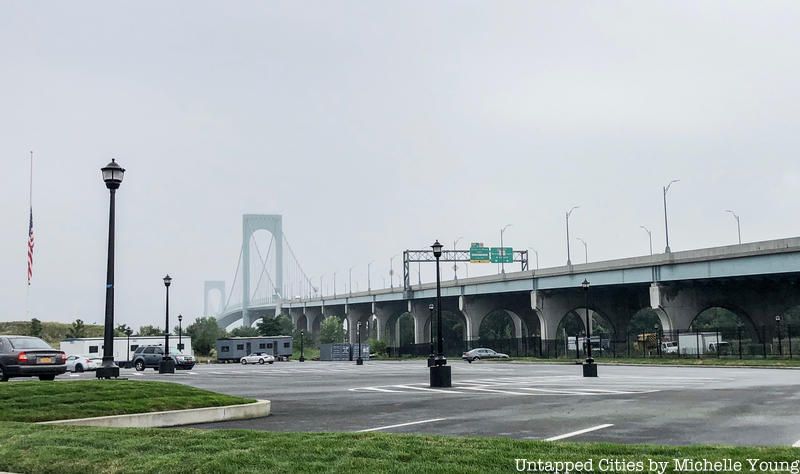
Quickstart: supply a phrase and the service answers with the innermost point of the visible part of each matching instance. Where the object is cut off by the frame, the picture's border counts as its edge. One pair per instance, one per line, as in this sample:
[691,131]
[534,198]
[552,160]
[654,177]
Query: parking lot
[627,404]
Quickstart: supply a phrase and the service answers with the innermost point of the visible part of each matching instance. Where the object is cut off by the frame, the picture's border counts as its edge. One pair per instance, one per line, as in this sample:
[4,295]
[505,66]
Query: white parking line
[426,389]
[576,433]
[401,425]
[374,389]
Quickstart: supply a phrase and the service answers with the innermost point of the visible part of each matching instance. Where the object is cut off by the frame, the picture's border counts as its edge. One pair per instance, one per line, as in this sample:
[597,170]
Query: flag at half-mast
[30,247]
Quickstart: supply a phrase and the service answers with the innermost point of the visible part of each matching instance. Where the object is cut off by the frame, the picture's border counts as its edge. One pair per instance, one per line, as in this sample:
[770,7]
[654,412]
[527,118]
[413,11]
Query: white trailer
[93,346]
[708,342]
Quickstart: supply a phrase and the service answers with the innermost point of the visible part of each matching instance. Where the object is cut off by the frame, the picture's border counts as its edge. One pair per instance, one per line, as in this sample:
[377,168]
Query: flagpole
[30,210]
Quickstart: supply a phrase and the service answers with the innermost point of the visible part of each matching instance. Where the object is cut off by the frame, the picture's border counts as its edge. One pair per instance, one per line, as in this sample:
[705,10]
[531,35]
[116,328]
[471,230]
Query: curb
[161,419]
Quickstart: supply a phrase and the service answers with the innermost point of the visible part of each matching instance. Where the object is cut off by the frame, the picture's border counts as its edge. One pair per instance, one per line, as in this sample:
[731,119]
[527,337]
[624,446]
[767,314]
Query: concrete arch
[209,287]
[301,323]
[739,312]
[392,330]
[580,313]
[663,318]
[518,326]
[251,223]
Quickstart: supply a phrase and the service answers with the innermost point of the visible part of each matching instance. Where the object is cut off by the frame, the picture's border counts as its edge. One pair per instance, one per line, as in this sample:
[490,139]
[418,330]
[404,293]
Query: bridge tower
[208,287]
[251,223]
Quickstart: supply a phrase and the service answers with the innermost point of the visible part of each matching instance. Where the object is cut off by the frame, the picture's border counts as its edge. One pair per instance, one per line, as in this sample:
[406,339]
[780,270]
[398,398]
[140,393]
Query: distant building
[93,346]
[232,349]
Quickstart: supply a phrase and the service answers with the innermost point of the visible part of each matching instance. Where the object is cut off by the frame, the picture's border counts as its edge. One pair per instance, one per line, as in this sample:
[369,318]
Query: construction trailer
[93,346]
[232,349]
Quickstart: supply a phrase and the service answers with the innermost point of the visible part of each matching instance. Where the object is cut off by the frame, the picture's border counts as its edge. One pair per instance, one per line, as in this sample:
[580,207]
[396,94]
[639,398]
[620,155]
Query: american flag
[30,247]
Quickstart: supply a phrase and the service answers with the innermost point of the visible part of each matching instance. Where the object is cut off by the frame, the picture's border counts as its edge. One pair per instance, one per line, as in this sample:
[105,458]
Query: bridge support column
[356,314]
[421,315]
[383,314]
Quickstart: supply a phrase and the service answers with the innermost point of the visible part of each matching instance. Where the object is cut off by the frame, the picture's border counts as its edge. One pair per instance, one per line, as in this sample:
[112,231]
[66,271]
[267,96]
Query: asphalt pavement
[625,404]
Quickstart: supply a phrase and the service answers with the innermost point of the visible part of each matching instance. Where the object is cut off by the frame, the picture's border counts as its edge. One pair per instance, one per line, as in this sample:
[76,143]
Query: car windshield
[28,343]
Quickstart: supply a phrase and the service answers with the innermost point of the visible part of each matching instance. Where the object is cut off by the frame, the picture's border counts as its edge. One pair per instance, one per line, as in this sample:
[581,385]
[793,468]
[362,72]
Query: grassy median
[62,449]
[46,401]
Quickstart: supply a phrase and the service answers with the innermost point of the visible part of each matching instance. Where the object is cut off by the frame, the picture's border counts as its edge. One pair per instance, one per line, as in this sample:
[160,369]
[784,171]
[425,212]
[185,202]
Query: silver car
[257,358]
[482,353]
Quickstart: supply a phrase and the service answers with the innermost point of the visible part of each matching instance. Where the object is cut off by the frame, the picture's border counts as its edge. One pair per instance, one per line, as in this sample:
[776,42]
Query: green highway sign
[478,253]
[501,255]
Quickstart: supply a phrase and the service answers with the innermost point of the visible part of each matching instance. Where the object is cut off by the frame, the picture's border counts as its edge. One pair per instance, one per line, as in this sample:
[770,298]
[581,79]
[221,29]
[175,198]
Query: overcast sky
[377,126]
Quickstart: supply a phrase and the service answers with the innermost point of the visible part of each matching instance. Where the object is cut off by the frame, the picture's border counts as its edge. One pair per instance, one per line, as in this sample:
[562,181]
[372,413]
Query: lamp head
[585,284]
[430,307]
[112,174]
[180,317]
[167,280]
[437,249]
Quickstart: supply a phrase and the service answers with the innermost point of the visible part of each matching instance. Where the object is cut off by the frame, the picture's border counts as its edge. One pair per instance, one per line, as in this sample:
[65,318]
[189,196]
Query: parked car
[79,363]
[257,358]
[149,357]
[24,356]
[482,353]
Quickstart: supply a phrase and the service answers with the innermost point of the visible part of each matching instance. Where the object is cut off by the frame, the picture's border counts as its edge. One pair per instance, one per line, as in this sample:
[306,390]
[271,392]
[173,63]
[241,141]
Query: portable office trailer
[93,346]
[232,349]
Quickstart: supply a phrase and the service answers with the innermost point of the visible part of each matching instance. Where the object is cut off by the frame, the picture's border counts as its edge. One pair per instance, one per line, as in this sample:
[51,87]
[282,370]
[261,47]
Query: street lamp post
[780,341]
[350,280]
[666,224]
[455,264]
[369,279]
[180,333]
[128,333]
[738,224]
[440,371]
[650,236]
[112,175]
[589,367]
[503,249]
[569,213]
[167,365]
[585,249]
[657,329]
[431,357]
[302,355]
[359,360]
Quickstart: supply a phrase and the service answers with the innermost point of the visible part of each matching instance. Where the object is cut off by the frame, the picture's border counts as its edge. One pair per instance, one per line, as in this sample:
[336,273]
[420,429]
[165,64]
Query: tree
[286,326]
[77,330]
[245,331]
[378,347]
[121,330]
[331,330]
[150,331]
[269,327]
[204,333]
[36,328]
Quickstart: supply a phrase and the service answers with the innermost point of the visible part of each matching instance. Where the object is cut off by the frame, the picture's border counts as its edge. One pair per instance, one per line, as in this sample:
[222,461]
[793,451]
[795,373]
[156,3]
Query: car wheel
[47,377]
[261,361]
[78,368]
[272,362]
[244,362]
[476,358]
[139,365]
[3,377]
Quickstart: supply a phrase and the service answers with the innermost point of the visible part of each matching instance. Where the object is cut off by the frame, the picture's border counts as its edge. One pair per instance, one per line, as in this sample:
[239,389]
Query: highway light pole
[666,223]
[112,175]
[650,236]
[536,253]
[585,249]
[503,249]
[369,279]
[391,270]
[589,367]
[167,365]
[440,372]
[738,225]
[569,213]
[455,264]
[350,280]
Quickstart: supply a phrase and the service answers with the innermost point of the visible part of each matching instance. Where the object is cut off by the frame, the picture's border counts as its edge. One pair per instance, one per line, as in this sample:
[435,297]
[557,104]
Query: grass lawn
[62,449]
[45,401]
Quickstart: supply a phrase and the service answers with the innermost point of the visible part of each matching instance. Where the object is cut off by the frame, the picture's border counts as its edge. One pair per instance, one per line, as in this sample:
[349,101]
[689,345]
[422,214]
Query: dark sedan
[24,356]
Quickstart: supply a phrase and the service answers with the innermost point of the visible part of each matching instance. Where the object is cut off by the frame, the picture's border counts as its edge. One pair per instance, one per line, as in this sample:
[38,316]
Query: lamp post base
[301,359]
[440,376]
[166,366]
[431,360]
[359,361]
[589,369]
[107,372]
